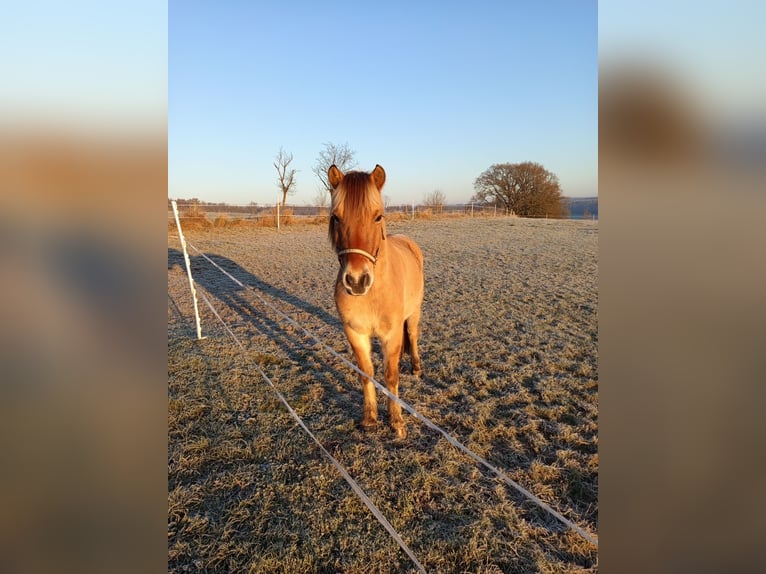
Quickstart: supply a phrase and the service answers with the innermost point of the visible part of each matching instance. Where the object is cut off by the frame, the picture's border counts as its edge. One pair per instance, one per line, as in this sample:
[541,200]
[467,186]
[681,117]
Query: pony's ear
[334,176]
[379,177]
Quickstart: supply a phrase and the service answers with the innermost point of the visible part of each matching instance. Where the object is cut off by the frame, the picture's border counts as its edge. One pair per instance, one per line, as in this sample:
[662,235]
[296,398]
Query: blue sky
[84,65]
[435,92]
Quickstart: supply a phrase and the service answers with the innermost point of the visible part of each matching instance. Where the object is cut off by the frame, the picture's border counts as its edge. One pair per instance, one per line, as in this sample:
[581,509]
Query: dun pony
[379,288]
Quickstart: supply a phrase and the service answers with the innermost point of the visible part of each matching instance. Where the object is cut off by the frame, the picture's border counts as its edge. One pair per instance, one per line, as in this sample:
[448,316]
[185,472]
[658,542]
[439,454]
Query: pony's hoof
[400,431]
[417,372]
[368,426]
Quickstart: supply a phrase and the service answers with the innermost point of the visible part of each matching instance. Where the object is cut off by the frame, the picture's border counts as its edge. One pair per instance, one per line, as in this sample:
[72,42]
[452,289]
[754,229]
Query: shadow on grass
[219,285]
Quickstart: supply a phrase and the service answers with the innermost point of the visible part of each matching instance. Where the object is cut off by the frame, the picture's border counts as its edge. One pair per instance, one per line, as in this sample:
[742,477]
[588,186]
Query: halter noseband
[373,258]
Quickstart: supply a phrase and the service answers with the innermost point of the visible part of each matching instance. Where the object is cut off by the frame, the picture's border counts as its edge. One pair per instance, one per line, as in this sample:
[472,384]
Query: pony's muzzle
[357,283]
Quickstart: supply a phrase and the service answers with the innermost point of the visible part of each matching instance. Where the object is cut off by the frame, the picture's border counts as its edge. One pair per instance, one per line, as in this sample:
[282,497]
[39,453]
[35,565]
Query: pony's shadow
[219,285]
[254,315]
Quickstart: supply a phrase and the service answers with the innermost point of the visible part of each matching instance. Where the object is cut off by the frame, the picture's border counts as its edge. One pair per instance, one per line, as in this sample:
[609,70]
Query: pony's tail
[406,346]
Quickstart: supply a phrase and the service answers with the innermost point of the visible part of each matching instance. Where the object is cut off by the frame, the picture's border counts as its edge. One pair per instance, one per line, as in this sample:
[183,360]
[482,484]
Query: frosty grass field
[509,349]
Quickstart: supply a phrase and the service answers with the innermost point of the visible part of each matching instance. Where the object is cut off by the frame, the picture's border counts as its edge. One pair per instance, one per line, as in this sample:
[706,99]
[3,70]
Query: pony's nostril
[357,285]
[351,281]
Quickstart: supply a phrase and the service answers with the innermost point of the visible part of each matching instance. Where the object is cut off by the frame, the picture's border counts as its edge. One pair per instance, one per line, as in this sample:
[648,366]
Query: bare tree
[526,189]
[339,155]
[285,174]
[435,200]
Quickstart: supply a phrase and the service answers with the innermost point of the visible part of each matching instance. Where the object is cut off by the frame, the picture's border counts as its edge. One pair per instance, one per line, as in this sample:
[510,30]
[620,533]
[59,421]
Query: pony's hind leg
[362,347]
[411,337]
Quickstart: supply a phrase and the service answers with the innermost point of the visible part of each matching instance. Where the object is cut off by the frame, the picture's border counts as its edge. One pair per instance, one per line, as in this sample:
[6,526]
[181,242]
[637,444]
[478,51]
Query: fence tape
[453,441]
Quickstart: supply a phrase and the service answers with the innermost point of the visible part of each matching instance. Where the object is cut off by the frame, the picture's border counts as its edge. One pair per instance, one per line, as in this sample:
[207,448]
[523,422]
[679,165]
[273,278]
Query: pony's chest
[363,315]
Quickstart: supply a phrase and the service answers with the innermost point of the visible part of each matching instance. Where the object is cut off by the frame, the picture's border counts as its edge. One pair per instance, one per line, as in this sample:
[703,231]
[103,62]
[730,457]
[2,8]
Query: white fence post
[188,270]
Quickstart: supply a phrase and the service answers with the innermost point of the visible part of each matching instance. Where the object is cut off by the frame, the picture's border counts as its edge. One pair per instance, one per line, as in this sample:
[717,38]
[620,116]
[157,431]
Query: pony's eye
[379,218]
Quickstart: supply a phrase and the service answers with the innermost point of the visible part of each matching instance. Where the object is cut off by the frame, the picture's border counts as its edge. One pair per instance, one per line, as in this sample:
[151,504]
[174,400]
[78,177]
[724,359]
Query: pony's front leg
[392,351]
[362,348]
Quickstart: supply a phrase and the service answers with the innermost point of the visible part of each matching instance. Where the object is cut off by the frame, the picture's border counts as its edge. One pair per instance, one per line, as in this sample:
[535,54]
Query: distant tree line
[525,189]
[195,204]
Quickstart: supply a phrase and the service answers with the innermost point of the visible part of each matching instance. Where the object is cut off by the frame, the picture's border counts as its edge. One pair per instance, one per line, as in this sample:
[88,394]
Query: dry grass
[226,222]
[191,218]
[425,213]
[194,218]
[395,216]
[286,217]
[509,349]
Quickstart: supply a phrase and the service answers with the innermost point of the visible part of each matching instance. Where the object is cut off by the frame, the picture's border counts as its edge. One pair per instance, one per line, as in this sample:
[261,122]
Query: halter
[373,258]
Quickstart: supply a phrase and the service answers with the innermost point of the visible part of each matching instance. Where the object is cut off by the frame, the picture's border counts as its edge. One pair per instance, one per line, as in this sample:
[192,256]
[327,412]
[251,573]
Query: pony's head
[357,228]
